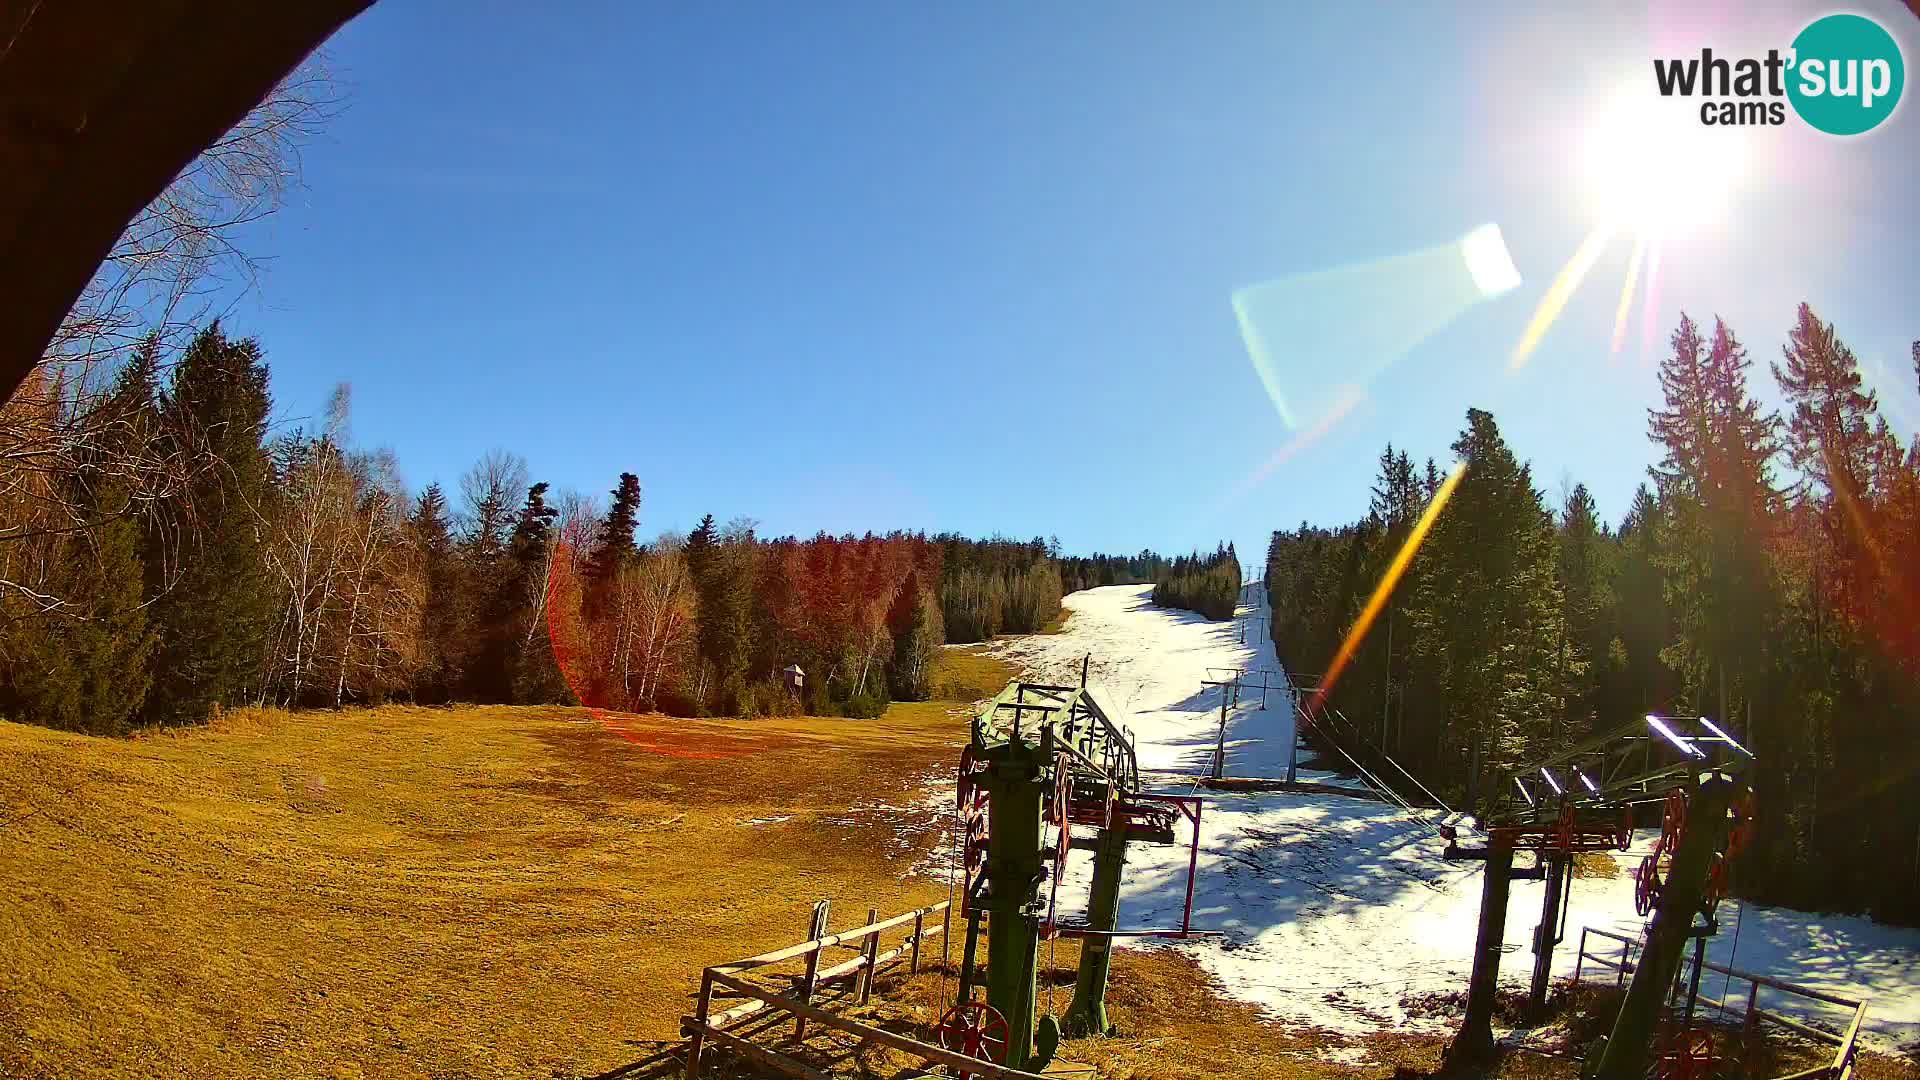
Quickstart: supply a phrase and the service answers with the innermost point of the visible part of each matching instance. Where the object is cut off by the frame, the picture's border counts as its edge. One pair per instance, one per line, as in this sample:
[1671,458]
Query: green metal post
[1088,1012]
[1473,1046]
[1626,1052]
[1017,789]
[967,960]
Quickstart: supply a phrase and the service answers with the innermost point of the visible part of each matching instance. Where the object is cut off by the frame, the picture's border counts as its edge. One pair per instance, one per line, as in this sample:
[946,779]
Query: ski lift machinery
[1583,800]
[1044,758]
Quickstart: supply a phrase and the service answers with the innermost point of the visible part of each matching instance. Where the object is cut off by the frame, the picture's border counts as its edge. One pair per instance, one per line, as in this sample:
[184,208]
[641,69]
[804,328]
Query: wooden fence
[1751,1014]
[804,997]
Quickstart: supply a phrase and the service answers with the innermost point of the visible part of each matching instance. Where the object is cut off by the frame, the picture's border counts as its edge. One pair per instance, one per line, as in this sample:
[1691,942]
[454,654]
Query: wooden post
[1220,747]
[698,1040]
[1193,866]
[919,927]
[816,929]
[873,956]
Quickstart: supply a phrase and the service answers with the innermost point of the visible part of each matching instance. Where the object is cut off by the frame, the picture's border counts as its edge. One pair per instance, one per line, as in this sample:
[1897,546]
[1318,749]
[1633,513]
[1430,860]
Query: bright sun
[1653,168]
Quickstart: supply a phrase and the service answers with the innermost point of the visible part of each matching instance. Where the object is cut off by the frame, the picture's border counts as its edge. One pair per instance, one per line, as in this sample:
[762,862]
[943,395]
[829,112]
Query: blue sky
[968,267]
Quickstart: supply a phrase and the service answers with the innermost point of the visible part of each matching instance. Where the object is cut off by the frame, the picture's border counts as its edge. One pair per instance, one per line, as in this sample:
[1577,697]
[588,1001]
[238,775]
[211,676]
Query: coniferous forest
[1766,575]
[1208,584]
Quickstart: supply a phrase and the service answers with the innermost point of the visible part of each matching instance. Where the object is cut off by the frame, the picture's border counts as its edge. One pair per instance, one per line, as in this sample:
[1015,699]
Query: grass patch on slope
[412,892]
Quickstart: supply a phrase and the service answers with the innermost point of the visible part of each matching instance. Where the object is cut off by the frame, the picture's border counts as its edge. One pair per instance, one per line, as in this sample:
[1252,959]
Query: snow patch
[1335,909]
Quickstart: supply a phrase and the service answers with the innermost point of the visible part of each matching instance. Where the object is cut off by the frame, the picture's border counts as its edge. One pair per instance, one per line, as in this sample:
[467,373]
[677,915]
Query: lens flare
[1558,293]
[1384,591]
[1650,300]
[1317,338]
[1625,310]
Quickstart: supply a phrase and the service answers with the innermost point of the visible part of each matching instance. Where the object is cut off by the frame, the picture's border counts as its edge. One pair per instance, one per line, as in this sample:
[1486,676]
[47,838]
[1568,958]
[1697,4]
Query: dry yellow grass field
[502,892]
[402,892]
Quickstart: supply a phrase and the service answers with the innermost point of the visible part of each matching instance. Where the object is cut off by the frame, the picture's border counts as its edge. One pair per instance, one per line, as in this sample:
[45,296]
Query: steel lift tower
[1583,800]
[1043,755]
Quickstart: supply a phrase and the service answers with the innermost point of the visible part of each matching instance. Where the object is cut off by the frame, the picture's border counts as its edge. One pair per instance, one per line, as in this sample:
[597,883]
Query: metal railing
[730,1028]
[1750,1014]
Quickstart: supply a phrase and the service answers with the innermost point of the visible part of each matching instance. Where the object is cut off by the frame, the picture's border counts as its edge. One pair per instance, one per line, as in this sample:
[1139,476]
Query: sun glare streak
[1621,313]
[1383,591]
[1350,396]
[1560,292]
[1650,299]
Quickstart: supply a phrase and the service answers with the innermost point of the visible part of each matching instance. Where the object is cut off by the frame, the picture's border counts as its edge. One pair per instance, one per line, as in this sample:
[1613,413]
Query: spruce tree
[83,665]
[1644,626]
[1489,606]
[537,678]
[1861,659]
[913,620]
[721,567]
[616,545]
[1584,590]
[432,536]
[212,617]
[1717,495]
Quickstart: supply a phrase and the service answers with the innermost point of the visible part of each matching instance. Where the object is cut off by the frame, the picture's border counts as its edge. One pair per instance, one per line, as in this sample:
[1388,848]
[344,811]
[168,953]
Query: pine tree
[212,618]
[616,546]
[432,537]
[488,577]
[1585,597]
[913,621]
[722,568]
[1847,458]
[1858,671]
[1643,626]
[1716,491]
[1488,611]
[537,678]
[83,666]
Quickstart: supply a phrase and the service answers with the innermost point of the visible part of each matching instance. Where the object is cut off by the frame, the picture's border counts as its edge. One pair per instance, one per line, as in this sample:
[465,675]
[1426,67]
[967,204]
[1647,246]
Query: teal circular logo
[1847,74]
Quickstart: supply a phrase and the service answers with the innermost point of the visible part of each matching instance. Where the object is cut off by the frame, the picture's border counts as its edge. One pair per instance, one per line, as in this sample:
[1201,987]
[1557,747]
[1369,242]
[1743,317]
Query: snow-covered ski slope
[1335,909]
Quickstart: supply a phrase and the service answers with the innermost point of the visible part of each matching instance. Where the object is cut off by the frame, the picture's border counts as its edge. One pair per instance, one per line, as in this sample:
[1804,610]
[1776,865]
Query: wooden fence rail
[1845,1043]
[725,981]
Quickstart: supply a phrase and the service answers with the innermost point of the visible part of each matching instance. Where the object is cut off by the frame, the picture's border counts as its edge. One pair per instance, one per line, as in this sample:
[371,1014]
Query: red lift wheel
[1646,885]
[1716,884]
[975,1029]
[1691,1057]
[1673,818]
